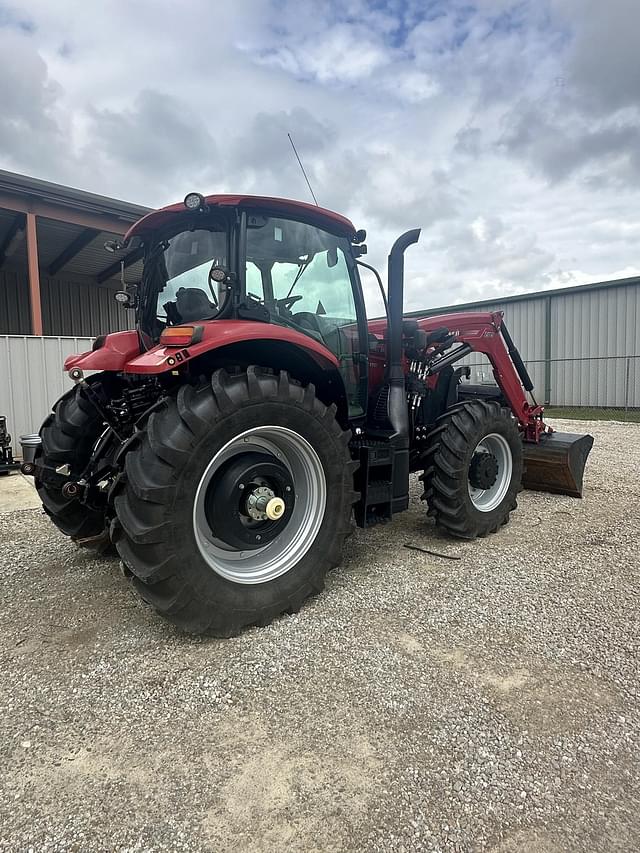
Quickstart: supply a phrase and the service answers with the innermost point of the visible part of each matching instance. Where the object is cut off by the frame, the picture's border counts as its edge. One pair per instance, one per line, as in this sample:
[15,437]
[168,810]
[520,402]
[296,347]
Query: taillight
[181,336]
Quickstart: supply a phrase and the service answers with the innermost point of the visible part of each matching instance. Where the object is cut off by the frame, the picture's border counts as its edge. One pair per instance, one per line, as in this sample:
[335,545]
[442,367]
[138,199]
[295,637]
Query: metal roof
[524,297]
[11,182]
[7,218]
[53,236]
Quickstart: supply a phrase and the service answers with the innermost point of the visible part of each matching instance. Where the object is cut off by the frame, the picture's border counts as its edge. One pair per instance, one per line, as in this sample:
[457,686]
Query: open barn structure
[55,276]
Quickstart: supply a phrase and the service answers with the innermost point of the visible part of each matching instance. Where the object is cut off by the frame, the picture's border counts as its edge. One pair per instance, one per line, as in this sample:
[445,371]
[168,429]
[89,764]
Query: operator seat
[193,304]
[307,323]
[307,320]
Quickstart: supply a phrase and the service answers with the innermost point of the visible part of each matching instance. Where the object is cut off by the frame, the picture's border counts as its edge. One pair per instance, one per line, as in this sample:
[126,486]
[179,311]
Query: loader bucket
[556,463]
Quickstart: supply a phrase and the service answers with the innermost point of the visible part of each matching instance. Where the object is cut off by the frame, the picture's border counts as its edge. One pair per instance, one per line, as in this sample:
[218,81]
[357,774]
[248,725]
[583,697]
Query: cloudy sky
[509,131]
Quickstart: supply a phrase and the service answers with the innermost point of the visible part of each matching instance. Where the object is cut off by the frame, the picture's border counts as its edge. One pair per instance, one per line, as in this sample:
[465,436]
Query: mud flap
[557,463]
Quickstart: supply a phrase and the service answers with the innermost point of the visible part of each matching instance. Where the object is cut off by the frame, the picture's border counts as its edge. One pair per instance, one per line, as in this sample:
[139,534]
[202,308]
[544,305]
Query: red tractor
[225,445]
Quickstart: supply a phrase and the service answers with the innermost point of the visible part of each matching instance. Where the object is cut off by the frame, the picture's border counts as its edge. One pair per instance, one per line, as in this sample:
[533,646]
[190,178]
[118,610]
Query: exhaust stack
[397,408]
[397,405]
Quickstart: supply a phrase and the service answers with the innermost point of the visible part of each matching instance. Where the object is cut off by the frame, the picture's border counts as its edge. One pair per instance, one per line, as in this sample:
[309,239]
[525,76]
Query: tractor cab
[265,260]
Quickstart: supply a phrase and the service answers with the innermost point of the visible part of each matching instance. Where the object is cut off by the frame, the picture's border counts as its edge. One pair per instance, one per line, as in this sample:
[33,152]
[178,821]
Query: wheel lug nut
[258,538]
[241,486]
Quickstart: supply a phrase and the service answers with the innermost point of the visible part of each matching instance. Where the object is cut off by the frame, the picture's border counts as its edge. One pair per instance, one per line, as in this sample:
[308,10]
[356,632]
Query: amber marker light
[181,336]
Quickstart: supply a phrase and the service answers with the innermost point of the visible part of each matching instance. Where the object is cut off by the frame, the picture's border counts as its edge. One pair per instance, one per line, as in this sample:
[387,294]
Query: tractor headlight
[218,274]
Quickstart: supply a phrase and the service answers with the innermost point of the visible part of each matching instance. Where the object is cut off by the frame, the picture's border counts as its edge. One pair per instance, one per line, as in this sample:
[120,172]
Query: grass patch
[593,414]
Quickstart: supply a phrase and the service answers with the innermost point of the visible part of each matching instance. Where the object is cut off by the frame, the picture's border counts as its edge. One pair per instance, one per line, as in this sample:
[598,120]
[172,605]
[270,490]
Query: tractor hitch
[72,490]
[556,463]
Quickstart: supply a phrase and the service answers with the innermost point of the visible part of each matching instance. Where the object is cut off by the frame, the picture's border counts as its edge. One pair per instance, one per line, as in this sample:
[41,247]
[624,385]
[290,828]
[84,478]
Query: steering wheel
[288,301]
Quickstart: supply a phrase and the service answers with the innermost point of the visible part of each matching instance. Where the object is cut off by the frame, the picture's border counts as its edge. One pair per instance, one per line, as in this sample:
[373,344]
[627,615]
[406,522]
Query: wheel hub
[257,502]
[220,504]
[250,501]
[483,471]
[490,472]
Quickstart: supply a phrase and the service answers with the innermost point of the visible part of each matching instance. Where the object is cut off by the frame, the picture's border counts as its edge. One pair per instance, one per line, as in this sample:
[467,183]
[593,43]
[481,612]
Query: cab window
[301,274]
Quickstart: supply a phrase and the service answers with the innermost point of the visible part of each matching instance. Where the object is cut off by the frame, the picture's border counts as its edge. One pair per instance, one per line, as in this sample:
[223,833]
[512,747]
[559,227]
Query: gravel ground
[489,703]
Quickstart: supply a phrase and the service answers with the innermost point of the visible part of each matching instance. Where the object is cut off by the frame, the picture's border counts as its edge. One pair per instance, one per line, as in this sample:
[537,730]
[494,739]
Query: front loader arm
[485,333]
[553,461]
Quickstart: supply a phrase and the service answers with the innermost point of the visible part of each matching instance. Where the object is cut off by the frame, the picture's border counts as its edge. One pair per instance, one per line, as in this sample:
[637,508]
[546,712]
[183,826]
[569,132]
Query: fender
[110,352]
[120,351]
[221,333]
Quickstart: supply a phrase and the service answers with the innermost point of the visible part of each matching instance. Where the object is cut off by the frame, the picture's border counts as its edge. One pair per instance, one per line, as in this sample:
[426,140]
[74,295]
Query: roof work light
[194,201]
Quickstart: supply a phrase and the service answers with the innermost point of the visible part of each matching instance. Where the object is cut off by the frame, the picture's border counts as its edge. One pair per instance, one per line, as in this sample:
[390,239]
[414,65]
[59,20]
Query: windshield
[177,286]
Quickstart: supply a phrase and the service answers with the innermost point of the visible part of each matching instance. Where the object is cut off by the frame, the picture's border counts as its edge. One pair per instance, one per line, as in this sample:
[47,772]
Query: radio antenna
[303,171]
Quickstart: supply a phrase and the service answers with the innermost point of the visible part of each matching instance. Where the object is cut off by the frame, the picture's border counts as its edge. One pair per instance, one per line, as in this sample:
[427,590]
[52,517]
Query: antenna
[303,171]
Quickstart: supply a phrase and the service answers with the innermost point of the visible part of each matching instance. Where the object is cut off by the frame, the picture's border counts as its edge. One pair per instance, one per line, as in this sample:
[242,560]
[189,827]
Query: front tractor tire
[473,469]
[235,502]
[68,436]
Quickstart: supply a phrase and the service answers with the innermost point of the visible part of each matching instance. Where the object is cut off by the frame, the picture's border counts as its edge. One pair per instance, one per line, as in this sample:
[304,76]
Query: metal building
[581,344]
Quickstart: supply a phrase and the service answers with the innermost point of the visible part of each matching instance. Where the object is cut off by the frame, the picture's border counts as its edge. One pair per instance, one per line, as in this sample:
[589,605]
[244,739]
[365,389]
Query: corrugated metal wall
[33,367]
[602,322]
[526,323]
[15,318]
[69,307]
[591,335]
[605,382]
[80,308]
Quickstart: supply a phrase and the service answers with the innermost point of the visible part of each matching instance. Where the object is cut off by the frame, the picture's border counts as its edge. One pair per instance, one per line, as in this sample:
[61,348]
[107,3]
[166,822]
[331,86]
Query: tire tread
[143,501]
[445,474]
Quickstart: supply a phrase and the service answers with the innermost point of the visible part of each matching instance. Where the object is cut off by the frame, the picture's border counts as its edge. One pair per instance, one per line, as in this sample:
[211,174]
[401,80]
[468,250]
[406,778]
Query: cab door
[307,278]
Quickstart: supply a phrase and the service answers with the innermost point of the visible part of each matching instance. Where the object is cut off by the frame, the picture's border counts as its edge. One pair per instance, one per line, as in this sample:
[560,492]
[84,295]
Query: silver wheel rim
[292,543]
[486,500]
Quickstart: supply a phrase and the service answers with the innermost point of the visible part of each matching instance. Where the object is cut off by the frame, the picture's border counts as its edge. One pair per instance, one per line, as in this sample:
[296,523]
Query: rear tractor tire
[235,502]
[68,436]
[473,469]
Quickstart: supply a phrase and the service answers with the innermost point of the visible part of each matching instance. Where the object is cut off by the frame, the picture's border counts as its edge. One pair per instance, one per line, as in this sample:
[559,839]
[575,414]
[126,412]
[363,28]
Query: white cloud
[340,55]
[412,86]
